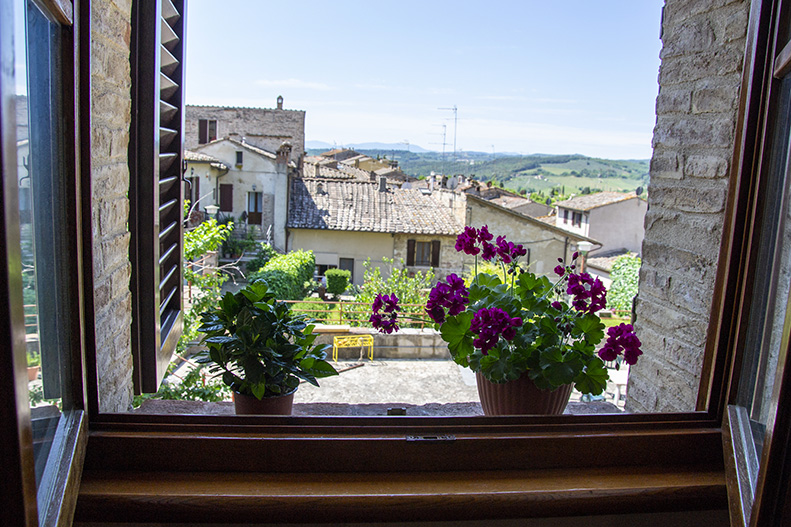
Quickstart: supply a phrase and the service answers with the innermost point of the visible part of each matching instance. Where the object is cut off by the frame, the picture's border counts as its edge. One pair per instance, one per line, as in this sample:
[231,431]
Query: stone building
[266,128]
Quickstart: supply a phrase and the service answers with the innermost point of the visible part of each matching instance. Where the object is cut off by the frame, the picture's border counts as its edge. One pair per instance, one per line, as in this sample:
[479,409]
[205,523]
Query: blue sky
[529,76]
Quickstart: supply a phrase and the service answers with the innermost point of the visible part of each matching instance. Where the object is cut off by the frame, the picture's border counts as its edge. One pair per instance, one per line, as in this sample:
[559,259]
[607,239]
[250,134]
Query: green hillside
[545,175]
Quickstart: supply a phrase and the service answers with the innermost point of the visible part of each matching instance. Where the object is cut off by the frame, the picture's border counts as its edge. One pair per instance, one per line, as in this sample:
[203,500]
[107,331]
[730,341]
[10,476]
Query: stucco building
[615,219]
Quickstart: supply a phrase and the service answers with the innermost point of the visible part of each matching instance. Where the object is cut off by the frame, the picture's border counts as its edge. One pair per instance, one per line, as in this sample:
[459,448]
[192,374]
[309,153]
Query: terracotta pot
[521,397]
[32,373]
[278,405]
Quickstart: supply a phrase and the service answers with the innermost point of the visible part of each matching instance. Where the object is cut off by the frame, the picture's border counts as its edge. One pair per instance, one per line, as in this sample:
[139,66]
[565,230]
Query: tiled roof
[549,220]
[592,201]
[605,261]
[197,157]
[360,206]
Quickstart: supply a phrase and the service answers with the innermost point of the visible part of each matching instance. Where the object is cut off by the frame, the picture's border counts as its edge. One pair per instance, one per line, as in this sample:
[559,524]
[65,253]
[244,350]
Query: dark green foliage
[258,346]
[286,274]
[265,253]
[625,276]
[337,281]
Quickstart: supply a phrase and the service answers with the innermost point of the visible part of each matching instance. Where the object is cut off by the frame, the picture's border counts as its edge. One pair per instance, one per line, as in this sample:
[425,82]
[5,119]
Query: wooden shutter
[410,252]
[226,197]
[435,253]
[203,131]
[156,193]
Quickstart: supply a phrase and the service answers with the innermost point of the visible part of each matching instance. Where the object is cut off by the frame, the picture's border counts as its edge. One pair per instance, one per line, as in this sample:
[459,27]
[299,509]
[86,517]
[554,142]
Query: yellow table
[353,342]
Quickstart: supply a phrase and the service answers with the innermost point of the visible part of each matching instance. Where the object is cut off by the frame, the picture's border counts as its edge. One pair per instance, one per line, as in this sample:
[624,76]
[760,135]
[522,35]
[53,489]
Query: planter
[521,397]
[32,373]
[249,405]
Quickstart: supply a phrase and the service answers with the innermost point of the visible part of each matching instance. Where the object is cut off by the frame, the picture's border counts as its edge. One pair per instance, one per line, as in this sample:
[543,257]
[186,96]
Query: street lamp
[583,248]
[212,210]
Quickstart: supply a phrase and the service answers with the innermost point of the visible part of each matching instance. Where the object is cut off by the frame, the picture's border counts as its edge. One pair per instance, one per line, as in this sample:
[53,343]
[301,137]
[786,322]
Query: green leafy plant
[337,281]
[523,324]
[409,289]
[33,359]
[286,274]
[258,346]
[265,253]
[625,274]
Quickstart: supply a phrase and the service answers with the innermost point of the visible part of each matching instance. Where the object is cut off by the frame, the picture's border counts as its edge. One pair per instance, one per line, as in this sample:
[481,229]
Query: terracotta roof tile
[360,206]
[592,201]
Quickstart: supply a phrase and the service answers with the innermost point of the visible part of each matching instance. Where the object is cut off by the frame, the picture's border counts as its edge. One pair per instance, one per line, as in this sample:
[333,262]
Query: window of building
[565,216]
[239,158]
[321,269]
[207,131]
[347,264]
[255,203]
[423,253]
[226,197]
[576,219]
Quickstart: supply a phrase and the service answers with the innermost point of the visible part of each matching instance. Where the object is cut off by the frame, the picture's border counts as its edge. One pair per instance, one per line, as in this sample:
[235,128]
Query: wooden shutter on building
[203,131]
[156,192]
[435,253]
[410,252]
[226,197]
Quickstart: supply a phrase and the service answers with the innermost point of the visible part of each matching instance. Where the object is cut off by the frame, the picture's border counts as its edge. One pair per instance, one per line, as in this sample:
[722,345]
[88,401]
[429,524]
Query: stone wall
[450,261]
[262,127]
[700,75]
[111,114]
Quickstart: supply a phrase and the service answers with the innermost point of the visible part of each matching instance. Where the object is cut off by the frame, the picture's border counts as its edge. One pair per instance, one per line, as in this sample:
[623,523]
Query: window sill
[224,497]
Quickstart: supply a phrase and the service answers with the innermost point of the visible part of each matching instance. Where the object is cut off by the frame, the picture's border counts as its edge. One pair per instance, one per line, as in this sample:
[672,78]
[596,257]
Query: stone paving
[422,387]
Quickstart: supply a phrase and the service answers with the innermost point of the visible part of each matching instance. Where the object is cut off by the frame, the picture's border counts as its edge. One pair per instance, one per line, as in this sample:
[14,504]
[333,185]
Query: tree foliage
[625,275]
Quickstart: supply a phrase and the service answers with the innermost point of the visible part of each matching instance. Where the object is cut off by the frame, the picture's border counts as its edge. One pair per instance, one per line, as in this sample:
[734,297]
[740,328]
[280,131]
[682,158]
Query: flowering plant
[502,329]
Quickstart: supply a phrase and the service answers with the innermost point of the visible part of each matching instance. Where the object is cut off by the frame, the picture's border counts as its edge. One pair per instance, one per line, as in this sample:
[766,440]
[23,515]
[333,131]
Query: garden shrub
[265,253]
[625,275]
[337,281]
[408,289]
[286,274]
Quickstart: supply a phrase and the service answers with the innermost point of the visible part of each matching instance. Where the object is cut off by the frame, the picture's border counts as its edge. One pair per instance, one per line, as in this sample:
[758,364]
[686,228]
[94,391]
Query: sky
[526,76]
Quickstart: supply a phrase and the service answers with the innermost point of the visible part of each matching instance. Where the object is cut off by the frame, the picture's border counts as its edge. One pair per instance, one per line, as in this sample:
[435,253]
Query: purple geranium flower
[385,322]
[489,324]
[621,339]
[590,295]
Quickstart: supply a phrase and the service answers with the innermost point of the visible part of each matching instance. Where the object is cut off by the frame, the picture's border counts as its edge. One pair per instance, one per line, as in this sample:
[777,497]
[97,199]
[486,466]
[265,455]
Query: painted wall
[264,173]
[329,246]
[618,225]
[545,245]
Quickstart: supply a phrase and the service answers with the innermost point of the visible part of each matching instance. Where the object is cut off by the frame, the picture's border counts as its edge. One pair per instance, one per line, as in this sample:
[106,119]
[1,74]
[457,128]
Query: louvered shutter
[410,252]
[435,253]
[156,194]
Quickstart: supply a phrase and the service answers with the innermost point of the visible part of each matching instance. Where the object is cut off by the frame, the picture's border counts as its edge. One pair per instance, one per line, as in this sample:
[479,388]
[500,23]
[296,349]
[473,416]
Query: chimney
[382,184]
[279,102]
[431,184]
[284,152]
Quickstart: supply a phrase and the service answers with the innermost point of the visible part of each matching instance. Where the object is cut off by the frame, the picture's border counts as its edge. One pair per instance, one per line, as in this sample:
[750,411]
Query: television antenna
[455,111]
[444,144]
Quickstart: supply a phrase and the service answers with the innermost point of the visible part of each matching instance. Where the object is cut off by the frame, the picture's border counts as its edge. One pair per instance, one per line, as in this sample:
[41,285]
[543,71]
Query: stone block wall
[263,127]
[699,78]
[111,112]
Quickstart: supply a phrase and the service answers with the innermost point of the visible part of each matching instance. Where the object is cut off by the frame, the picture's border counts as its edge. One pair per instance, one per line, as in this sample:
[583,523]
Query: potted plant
[529,339]
[261,349]
[33,365]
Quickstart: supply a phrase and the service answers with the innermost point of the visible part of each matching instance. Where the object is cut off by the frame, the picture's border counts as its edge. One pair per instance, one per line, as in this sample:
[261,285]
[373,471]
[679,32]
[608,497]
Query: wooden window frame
[381,449]
[18,497]
[381,446]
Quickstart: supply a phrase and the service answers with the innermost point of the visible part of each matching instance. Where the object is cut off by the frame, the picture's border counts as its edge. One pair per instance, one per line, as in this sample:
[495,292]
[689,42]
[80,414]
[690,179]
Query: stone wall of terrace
[700,75]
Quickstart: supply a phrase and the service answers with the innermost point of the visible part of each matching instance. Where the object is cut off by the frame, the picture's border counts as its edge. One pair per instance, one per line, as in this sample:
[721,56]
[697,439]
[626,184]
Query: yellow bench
[353,342]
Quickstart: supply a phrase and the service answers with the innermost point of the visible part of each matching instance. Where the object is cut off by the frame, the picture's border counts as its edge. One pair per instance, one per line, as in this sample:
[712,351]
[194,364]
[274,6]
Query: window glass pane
[773,282]
[41,193]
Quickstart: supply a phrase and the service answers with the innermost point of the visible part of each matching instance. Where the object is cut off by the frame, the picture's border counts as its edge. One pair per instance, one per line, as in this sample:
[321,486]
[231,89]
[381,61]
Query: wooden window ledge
[202,497]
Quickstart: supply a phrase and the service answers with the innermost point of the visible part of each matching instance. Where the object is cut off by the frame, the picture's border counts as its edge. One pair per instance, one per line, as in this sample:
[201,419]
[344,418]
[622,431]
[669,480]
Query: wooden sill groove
[185,497]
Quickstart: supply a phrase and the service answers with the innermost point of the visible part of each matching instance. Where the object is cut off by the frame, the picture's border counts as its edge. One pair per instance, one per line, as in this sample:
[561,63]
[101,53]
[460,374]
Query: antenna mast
[455,123]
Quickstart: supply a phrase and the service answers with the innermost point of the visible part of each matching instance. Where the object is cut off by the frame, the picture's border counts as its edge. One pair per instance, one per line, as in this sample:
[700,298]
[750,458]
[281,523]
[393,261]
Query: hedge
[286,274]
[337,280]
